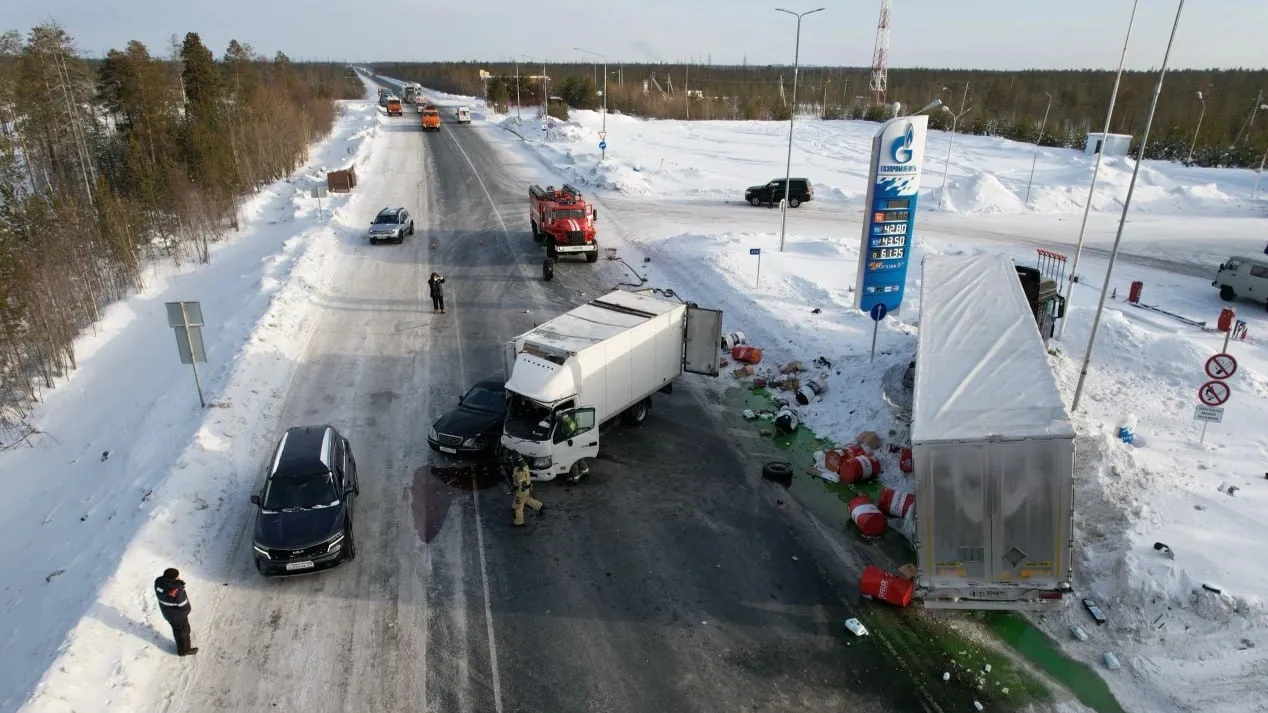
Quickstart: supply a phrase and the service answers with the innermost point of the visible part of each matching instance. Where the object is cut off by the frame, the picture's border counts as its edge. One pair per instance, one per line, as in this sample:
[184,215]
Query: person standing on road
[174,604]
[434,283]
[524,493]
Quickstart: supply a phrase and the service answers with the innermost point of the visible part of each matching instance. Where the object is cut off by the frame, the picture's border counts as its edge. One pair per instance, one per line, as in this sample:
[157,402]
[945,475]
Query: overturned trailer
[992,443]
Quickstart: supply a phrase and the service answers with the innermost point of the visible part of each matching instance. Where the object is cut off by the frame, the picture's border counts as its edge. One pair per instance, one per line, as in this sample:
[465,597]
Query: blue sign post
[603,146]
[877,313]
[758,253]
[898,151]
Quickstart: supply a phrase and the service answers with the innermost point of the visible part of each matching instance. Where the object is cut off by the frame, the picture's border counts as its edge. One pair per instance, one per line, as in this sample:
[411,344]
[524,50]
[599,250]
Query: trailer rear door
[703,337]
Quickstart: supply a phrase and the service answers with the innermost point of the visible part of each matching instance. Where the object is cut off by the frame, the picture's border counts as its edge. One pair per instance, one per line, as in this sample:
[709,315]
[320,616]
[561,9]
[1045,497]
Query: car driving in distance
[391,224]
[799,191]
[303,519]
[474,427]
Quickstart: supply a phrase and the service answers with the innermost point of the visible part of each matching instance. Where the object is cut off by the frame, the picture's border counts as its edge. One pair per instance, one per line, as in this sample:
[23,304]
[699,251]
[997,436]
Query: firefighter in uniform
[174,604]
[523,484]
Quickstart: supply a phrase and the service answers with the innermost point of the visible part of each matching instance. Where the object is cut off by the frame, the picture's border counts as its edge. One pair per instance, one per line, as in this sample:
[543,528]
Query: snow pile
[132,476]
[717,160]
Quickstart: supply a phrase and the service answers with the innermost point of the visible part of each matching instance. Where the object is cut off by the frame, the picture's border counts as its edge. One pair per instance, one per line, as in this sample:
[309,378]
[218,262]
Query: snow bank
[133,477]
[716,160]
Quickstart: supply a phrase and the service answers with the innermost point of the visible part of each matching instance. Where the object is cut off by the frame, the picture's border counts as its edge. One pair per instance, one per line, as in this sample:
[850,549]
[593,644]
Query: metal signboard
[1214,393]
[189,342]
[1209,414]
[184,314]
[889,217]
[186,320]
[1221,366]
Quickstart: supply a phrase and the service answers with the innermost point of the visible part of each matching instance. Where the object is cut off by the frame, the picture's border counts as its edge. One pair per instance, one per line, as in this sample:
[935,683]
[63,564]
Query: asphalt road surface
[668,582]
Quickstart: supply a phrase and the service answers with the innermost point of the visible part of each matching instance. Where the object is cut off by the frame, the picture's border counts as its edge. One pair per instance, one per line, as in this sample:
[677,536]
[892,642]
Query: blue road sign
[603,145]
[879,310]
[754,251]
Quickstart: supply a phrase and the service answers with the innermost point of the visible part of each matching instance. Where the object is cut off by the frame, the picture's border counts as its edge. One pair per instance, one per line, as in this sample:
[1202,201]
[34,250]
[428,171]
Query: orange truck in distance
[431,118]
[394,107]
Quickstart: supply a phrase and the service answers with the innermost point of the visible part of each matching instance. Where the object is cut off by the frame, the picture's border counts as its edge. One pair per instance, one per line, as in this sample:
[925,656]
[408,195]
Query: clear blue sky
[987,34]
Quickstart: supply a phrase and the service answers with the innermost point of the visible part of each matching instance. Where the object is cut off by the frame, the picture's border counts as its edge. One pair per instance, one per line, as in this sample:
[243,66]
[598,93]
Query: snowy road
[668,582]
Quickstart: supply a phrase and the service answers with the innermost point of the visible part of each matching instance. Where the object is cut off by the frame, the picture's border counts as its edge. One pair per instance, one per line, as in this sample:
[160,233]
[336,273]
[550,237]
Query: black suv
[800,191]
[303,521]
[475,426]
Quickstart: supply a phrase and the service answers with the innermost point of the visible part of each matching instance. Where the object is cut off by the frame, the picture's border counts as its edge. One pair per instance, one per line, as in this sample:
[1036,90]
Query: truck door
[508,357]
[581,441]
[700,345]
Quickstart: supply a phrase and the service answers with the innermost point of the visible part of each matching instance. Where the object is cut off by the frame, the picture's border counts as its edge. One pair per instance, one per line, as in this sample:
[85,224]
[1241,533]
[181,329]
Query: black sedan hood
[467,422]
[299,529]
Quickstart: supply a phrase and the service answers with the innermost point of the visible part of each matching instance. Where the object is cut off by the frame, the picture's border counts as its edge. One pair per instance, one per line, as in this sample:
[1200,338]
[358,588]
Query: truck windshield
[572,214]
[527,419]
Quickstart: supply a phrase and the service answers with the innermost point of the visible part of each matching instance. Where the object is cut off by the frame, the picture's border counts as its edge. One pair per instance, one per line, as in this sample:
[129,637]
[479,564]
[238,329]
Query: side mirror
[255,499]
[595,215]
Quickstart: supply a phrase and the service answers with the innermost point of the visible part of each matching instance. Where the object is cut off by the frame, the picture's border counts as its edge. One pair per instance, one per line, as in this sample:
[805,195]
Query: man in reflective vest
[174,604]
[523,484]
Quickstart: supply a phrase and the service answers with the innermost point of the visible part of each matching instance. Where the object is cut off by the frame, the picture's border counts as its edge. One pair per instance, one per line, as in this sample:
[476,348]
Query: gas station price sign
[893,188]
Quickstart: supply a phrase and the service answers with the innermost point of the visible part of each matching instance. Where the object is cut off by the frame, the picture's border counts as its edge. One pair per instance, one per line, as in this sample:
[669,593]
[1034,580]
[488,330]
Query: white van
[1243,277]
[463,115]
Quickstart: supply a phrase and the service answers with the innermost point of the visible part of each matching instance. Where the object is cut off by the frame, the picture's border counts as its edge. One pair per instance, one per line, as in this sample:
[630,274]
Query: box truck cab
[462,115]
[1243,277]
[581,370]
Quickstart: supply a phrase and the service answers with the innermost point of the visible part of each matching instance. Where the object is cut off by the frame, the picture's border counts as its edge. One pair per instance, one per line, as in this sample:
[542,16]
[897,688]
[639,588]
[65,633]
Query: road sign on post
[1208,414]
[318,192]
[890,212]
[186,320]
[758,253]
[1221,366]
[877,313]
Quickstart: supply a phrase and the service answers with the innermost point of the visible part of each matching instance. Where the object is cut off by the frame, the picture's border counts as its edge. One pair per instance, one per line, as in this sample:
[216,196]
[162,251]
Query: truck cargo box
[992,443]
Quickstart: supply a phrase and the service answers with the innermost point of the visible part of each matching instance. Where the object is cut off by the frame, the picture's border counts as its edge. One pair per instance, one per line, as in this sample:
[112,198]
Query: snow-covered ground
[1183,647]
[129,475]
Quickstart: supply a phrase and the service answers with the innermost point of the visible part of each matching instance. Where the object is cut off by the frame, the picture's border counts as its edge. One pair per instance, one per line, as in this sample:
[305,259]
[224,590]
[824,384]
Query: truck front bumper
[575,249]
[541,466]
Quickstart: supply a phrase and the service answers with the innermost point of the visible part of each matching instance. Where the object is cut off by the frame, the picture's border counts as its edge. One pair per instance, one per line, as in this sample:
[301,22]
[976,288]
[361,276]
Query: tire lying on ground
[778,472]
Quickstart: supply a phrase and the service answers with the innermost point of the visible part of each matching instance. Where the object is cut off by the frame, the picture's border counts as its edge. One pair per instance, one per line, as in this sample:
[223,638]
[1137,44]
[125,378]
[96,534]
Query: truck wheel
[1228,294]
[548,269]
[350,548]
[592,257]
[579,471]
[411,227]
[755,202]
[637,413]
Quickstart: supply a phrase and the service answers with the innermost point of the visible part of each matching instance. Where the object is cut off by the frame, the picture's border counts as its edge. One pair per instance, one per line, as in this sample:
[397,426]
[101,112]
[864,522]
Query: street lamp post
[1194,142]
[946,167]
[792,116]
[1038,143]
[517,87]
[1096,170]
[1122,221]
[603,132]
[1255,191]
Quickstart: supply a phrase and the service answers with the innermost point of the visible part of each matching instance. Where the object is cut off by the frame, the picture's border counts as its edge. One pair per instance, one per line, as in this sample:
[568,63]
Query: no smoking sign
[1221,366]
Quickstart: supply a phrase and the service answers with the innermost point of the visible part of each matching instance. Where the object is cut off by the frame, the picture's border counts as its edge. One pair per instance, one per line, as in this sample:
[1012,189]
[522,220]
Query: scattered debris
[104,456]
[1245,644]
[1165,550]
[909,571]
[1095,611]
[859,469]
[1111,661]
[820,361]
[876,583]
[946,676]
[759,382]
[732,340]
[787,420]
[778,472]
[49,577]
[896,503]
[854,626]
[977,705]
[750,415]
[869,440]
[816,310]
[1078,633]
[869,519]
[1212,588]
[742,372]
[791,367]
[812,391]
[746,354]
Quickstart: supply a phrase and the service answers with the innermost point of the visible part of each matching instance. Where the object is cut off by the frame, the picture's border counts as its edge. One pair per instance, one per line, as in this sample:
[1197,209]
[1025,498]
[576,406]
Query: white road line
[475,492]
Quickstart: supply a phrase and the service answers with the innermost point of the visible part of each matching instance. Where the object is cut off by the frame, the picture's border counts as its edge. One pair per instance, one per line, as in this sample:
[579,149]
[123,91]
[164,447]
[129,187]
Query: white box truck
[601,360]
[992,445]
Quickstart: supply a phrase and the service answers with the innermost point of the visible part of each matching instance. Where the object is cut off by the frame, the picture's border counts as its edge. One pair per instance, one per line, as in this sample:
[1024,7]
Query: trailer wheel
[1227,293]
[548,269]
[778,472]
[637,413]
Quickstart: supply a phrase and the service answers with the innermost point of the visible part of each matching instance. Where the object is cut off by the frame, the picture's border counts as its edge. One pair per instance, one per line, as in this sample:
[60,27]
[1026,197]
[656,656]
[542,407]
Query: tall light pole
[603,132]
[1194,142]
[1250,120]
[946,167]
[792,116]
[1258,174]
[545,87]
[1096,170]
[1127,202]
[1038,143]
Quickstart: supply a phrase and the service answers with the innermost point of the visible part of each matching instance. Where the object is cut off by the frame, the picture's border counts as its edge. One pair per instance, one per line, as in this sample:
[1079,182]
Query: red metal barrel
[879,584]
[896,503]
[746,354]
[905,462]
[859,468]
[1133,295]
[869,518]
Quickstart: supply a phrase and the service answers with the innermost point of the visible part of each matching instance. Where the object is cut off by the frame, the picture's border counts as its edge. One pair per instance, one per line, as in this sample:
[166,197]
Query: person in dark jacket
[434,283]
[174,604]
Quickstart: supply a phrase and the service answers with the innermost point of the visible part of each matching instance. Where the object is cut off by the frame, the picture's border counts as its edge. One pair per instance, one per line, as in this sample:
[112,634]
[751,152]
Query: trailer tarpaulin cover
[981,367]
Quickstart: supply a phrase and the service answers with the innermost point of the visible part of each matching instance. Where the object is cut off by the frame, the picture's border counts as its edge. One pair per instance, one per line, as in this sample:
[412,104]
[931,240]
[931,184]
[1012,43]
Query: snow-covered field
[129,475]
[1183,647]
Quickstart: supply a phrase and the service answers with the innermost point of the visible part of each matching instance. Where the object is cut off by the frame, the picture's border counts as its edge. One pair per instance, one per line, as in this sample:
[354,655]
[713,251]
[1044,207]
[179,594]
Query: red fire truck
[562,220]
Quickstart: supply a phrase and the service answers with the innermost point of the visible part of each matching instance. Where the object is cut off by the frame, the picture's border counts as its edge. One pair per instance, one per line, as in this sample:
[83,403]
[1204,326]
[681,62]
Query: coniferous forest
[108,163]
[1233,133]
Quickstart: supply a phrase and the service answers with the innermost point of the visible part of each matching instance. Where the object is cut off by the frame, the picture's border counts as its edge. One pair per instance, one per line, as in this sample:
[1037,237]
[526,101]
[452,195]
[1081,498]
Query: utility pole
[792,116]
